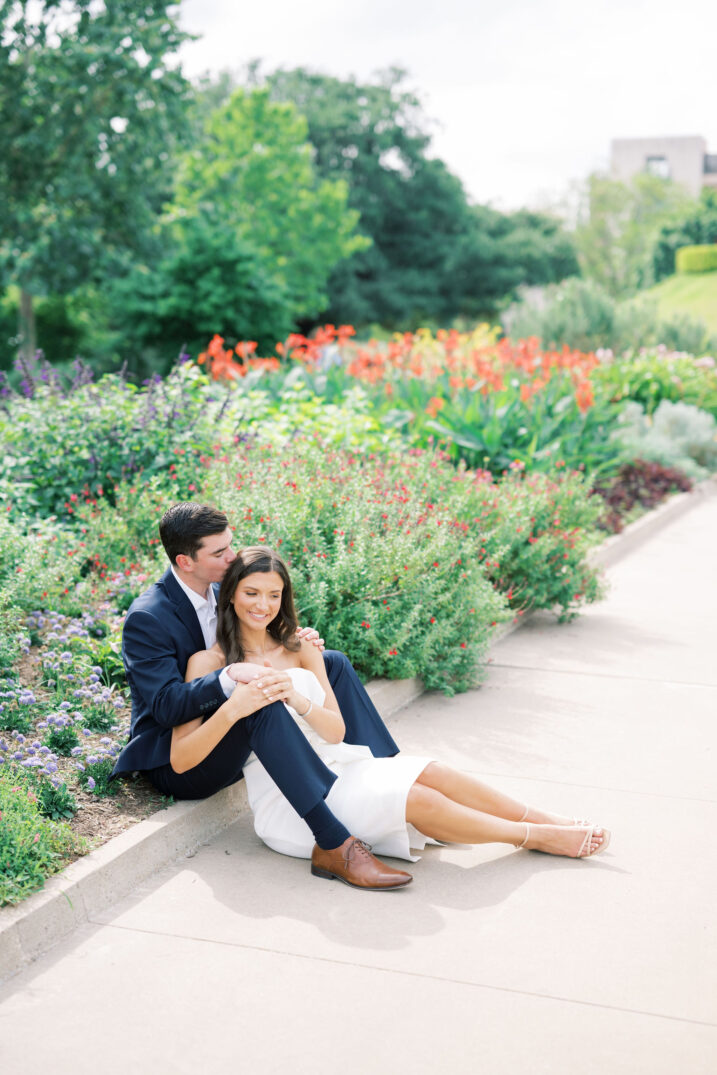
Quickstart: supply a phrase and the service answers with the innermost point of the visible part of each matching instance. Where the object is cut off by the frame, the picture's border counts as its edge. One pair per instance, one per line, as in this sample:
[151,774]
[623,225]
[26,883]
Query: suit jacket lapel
[185,609]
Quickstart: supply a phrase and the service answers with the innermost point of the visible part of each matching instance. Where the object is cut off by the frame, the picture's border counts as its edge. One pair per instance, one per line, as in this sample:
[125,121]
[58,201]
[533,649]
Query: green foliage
[539,533]
[12,640]
[62,739]
[89,113]
[433,257]
[107,431]
[112,430]
[702,258]
[620,225]
[15,717]
[677,435]
[392,541]
[37,568]
[576,313]
[582,314]
[253,178]
[649,377]
[691,294]
[31,847]
[209,280]
[54,799]
[696,226]
[94,776]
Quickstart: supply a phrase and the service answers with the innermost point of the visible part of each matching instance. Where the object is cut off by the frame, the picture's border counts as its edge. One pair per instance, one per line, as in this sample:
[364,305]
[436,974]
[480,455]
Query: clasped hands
[259,685]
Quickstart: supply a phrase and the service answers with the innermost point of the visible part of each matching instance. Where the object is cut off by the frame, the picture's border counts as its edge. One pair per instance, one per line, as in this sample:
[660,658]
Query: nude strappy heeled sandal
[580,853]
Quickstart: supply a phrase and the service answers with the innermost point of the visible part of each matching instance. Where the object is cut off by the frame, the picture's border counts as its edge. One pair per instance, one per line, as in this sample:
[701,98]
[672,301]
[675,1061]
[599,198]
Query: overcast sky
[525,94]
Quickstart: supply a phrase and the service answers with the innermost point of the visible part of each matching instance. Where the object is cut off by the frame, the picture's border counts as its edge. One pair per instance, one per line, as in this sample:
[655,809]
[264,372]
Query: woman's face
[257,599]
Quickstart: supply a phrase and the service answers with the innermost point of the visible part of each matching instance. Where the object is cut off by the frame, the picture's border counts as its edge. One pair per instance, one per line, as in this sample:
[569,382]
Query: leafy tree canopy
[90,108]
[252,175]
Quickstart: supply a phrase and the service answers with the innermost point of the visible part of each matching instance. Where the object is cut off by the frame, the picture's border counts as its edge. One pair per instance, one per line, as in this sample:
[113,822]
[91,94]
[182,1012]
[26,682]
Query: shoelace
[359,845]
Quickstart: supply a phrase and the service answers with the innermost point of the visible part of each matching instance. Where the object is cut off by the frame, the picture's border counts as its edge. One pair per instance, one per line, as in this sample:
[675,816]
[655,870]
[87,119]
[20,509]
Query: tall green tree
[253,176]
[91,107]
[619,227]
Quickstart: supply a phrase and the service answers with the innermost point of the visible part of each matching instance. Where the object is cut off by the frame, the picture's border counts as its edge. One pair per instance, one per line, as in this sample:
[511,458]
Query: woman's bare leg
[465,789]
[436,815]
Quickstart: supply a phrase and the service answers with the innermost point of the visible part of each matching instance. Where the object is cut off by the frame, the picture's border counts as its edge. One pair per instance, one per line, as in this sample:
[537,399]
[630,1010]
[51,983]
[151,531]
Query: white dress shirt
[206,610]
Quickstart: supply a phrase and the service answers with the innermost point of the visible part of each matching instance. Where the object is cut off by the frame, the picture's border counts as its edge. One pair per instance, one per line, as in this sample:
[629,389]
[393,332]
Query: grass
[687,293]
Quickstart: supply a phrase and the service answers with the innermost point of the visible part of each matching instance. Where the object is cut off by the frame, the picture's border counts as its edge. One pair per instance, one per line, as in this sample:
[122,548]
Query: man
[176,618]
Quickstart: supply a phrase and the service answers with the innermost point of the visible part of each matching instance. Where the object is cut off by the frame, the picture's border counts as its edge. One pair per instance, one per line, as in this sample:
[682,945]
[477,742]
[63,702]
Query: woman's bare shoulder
[204,662]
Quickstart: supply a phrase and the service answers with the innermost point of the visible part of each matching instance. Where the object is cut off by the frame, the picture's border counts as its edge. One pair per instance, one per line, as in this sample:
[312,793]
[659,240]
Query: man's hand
[310,635]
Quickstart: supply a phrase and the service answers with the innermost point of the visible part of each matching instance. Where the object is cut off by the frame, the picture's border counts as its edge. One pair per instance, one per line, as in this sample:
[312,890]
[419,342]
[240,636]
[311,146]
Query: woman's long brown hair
[282,628]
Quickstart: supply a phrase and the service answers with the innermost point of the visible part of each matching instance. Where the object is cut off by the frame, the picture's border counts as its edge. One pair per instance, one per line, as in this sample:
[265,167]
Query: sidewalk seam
[282,952]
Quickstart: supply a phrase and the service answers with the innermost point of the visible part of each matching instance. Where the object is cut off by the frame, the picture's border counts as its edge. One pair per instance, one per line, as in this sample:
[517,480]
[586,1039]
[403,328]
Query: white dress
[369,796]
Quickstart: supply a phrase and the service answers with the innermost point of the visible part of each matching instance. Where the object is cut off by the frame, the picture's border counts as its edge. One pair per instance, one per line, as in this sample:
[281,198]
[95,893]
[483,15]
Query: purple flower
[90,784]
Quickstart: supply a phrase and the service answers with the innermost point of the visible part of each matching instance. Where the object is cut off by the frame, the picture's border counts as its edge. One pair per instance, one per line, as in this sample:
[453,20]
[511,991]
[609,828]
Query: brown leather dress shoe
[354,864]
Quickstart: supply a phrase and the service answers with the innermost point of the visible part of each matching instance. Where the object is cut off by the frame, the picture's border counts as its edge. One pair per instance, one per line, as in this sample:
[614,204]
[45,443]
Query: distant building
[683,158]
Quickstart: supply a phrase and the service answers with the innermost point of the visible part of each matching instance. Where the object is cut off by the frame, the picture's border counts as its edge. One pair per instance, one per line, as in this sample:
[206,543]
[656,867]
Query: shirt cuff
[226,682]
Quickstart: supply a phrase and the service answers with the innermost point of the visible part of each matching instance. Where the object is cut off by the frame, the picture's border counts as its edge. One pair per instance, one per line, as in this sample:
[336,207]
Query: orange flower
[584,396]
[435,404]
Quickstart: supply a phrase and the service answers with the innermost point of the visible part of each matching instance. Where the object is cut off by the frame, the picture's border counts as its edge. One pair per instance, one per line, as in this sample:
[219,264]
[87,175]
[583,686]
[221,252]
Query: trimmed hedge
[696,258]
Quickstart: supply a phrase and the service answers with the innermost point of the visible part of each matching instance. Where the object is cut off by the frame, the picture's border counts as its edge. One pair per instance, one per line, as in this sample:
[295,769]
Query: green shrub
[577,313]
[702,258]
[62,738]
[94,775]
[653,375]
[13,640]
[54,799]
[538,533]
[393,555]
[581,314]
[677,435]
[31,846]
[40,565]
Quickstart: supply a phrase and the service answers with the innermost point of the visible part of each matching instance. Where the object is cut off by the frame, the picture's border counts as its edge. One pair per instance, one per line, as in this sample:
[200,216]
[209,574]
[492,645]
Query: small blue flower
[90,784]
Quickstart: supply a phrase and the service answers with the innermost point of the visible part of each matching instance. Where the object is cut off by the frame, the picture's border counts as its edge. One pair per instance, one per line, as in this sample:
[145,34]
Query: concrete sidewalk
[493,960]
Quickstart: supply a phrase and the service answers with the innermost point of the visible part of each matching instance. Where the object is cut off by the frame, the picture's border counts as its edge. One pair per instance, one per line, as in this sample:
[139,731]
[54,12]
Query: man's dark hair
[185,525]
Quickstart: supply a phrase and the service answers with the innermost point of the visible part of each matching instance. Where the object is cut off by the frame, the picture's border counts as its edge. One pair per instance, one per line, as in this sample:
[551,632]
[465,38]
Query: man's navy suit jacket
[160,634]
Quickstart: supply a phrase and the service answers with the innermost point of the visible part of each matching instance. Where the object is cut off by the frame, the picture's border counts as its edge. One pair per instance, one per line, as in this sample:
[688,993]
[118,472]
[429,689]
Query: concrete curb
[110,873]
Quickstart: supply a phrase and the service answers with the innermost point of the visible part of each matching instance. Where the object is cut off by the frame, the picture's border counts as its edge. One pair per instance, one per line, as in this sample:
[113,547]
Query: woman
[394,804]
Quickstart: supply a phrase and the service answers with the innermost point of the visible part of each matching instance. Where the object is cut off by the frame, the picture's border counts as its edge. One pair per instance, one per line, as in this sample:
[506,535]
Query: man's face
[210,562]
